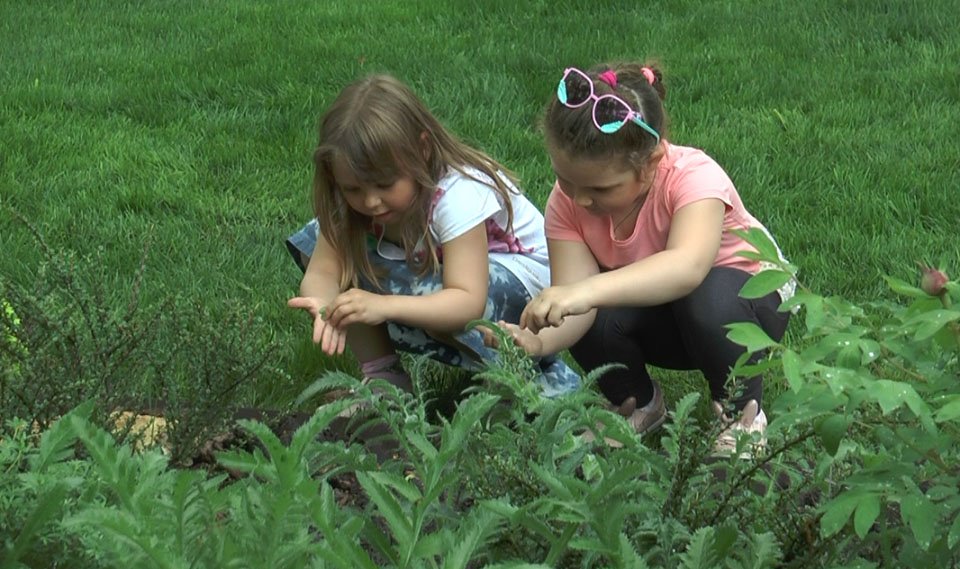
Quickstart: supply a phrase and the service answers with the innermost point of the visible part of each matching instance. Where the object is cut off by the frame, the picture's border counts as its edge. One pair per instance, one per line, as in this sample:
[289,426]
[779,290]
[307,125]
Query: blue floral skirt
[506,299]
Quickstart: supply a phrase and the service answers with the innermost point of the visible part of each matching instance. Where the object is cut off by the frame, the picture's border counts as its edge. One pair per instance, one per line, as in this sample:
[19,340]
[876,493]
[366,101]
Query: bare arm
[464,296]
[322,278]
[319,286]
[571,262]
[672,273]
[663,277]
[462,299]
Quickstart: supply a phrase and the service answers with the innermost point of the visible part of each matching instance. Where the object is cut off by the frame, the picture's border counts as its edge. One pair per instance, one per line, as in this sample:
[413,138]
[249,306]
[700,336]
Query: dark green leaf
[901,287]
[866,514]
[749,335]
[763,283]
[922,516]
[792,369]
[837,512]
[831,431]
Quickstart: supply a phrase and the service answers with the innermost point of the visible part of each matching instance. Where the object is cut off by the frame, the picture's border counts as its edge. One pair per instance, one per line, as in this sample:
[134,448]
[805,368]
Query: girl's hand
[332,340]
[523,338]
[356,306]
[553,304]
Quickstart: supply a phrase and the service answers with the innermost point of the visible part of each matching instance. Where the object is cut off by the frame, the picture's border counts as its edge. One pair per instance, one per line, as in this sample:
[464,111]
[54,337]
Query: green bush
[66,338]
[859,468]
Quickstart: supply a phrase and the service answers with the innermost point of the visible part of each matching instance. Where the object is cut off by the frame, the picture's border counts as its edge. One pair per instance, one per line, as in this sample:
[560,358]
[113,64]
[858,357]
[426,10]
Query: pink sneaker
[643,420]
[752,420]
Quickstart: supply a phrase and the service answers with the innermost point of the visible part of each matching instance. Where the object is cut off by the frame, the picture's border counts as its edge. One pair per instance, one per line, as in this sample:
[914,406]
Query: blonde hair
[379,130]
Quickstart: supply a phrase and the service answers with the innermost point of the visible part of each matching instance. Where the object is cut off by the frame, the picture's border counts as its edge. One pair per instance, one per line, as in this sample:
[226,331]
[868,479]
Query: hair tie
[609,77]
[648,73]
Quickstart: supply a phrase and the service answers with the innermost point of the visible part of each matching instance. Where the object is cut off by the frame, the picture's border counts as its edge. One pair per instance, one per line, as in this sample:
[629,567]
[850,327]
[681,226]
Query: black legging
[685,334]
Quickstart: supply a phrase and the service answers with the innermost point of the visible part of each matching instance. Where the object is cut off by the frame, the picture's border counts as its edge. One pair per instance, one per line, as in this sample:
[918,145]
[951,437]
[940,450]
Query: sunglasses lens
[610,114]
[576,89]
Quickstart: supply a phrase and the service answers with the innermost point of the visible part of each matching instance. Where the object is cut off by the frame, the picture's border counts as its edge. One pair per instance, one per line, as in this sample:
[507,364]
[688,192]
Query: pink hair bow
[609,77]
[648,73]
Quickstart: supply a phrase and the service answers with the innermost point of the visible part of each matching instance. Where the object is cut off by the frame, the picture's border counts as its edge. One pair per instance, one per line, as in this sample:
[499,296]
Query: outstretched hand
[552,305]
[523,338]
[332,340]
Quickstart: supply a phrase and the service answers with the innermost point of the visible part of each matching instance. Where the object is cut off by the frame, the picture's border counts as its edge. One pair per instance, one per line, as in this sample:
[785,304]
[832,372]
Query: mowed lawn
[188,126]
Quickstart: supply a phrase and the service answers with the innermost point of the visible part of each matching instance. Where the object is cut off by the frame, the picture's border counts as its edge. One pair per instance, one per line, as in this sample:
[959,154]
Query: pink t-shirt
[684,175]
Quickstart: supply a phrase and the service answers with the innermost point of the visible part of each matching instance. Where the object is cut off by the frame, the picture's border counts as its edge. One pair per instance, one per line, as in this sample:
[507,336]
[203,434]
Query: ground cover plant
[155,155]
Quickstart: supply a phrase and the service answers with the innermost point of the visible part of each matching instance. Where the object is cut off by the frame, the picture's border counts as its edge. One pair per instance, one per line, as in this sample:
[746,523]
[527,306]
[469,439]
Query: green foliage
[878,384]
[39,486]
[203,139]
[67,338]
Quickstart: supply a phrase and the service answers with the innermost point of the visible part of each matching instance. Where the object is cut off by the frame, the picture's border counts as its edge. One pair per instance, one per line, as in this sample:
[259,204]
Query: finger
[303,303]
[555,316]
[341,341]
[532,324]
[318,326]
[298,302]
[538,319]
[329,342]
[490,339]
[335,314]
[525,317]
[348,319]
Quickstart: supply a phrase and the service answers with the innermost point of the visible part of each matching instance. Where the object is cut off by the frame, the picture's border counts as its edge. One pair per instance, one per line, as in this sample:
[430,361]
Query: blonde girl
[415,235]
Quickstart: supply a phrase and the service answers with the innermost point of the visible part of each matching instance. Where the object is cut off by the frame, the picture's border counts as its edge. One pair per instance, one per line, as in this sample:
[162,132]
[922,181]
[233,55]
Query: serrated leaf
[628,554]
[48,506]
[329,381]
[433,545]
[472,533]
[56,443]
[398,483]
[867,511]
[764,552]
[388,506]
[421,443]
[764,282]
[320,420]
[749,335]
[700,553]
[465,420]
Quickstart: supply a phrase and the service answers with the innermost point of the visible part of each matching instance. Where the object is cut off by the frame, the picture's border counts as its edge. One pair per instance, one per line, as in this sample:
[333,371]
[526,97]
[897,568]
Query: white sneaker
[752,420]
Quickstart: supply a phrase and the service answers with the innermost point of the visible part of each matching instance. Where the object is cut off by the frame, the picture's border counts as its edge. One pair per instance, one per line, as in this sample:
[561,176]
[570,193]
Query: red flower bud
[933,281]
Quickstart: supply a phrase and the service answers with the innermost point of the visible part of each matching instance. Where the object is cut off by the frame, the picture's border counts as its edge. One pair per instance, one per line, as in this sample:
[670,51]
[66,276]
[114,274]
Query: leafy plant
[69,339]
[878,384]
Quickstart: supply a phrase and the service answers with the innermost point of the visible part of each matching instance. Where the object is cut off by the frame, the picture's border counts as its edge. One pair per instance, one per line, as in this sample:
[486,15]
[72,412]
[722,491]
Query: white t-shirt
[461,203]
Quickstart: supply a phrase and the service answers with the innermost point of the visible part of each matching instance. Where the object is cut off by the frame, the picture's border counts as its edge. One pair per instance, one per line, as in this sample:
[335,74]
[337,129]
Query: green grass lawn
[191,124]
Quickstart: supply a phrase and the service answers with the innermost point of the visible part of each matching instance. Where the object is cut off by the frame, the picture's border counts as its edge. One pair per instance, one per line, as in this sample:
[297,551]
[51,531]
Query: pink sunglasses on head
[610,112]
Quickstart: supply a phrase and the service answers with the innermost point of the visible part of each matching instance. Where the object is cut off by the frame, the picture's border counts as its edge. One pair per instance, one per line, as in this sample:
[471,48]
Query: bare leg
[369,342]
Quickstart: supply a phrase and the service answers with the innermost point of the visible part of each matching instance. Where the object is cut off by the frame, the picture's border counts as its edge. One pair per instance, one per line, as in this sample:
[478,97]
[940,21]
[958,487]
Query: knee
[708,320]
